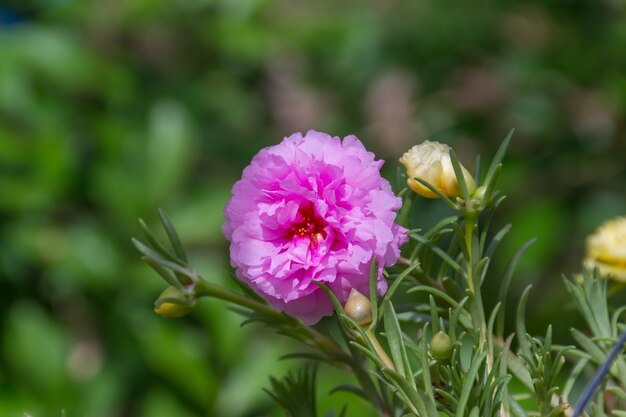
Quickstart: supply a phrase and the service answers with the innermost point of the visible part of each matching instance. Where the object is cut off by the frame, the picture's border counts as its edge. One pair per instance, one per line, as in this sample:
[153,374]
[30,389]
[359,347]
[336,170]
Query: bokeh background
[112,108]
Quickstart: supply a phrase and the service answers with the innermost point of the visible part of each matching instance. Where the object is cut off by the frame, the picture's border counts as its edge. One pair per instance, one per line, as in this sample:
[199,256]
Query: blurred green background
[112,108]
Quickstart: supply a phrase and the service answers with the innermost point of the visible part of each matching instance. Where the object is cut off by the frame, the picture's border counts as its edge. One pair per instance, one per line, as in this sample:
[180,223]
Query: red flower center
[309,224]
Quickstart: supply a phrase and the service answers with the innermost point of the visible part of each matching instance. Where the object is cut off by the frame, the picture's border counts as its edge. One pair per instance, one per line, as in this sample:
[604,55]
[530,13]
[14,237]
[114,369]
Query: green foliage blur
[111,108]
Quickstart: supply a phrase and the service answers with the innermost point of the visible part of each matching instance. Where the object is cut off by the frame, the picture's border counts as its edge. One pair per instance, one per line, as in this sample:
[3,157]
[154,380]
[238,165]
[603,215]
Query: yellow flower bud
[358,308]
[441,346]
[430,161]
[606,249]
[174,305]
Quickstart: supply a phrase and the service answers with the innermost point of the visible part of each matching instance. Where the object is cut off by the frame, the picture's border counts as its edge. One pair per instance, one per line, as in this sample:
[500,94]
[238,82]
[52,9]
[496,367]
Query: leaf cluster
[440,283]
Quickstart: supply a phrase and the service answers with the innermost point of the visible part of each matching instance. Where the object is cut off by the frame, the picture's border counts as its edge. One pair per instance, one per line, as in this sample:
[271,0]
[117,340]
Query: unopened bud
[479,194]
[358,308]
[430,161]
[172,303]
[441,346]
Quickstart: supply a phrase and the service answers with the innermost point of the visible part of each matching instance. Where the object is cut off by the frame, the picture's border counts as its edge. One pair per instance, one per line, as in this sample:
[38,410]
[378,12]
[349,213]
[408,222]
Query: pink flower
[313,208]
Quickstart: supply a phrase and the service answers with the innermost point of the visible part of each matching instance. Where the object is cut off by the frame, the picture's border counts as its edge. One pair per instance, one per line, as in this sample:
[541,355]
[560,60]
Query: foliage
[111,108]
[470,374]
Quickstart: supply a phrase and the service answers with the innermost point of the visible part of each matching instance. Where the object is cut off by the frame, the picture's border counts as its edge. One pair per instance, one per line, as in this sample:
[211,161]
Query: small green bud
[441,346]
[172,303]
[358,308]
[479,193]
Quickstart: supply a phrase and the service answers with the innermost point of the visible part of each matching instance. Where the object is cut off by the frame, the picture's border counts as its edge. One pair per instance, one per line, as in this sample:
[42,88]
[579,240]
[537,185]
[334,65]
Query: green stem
[379,349]
[203,288]
[477,309]
[368,386]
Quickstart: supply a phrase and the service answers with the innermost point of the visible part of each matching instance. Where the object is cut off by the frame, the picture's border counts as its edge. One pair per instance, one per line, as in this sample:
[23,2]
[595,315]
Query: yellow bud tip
[172,310]
[358,308]
[172,303]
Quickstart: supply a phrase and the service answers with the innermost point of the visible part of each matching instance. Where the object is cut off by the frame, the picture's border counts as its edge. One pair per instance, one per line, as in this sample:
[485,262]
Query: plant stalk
[477,309]
[203,288]
[379,349]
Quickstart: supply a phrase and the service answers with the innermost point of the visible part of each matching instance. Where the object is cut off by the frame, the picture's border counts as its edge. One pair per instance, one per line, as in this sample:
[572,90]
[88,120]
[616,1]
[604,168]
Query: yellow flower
[606,249]
[430,161]
[174,305]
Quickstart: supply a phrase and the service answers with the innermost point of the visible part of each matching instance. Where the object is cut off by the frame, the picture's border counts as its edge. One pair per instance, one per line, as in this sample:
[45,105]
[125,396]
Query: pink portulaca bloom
[313,208]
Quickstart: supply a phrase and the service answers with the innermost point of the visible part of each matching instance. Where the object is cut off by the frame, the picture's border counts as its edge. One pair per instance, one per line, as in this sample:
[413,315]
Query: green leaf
[497,159]
[444,256]
[495,242]
[152,240]
[373,357]
[363,336]
[460,178]
[494,170]
[392,289]
[615,320]
[403,216]
[439,193]
[448,398]
[416,398]
[489,189]
[428,388]
[595,293]
[436,229]
[454,317]
[577,294]
[518,368]
[394,339]
[338,307]
[452,288]
[515,408]
[154,256]
[617,391]
[434,291]
[481,270]
[296,392]
[164,273]
[573,376]
[351,389]
[587,344]
[374,291]
[506,282]
[173,236]
[460,238]
[468,383]
[434,314]
[520,323]
[303,355]
[492,319]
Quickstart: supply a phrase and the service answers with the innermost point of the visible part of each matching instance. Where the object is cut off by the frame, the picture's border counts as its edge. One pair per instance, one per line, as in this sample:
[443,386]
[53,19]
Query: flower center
[309,225]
